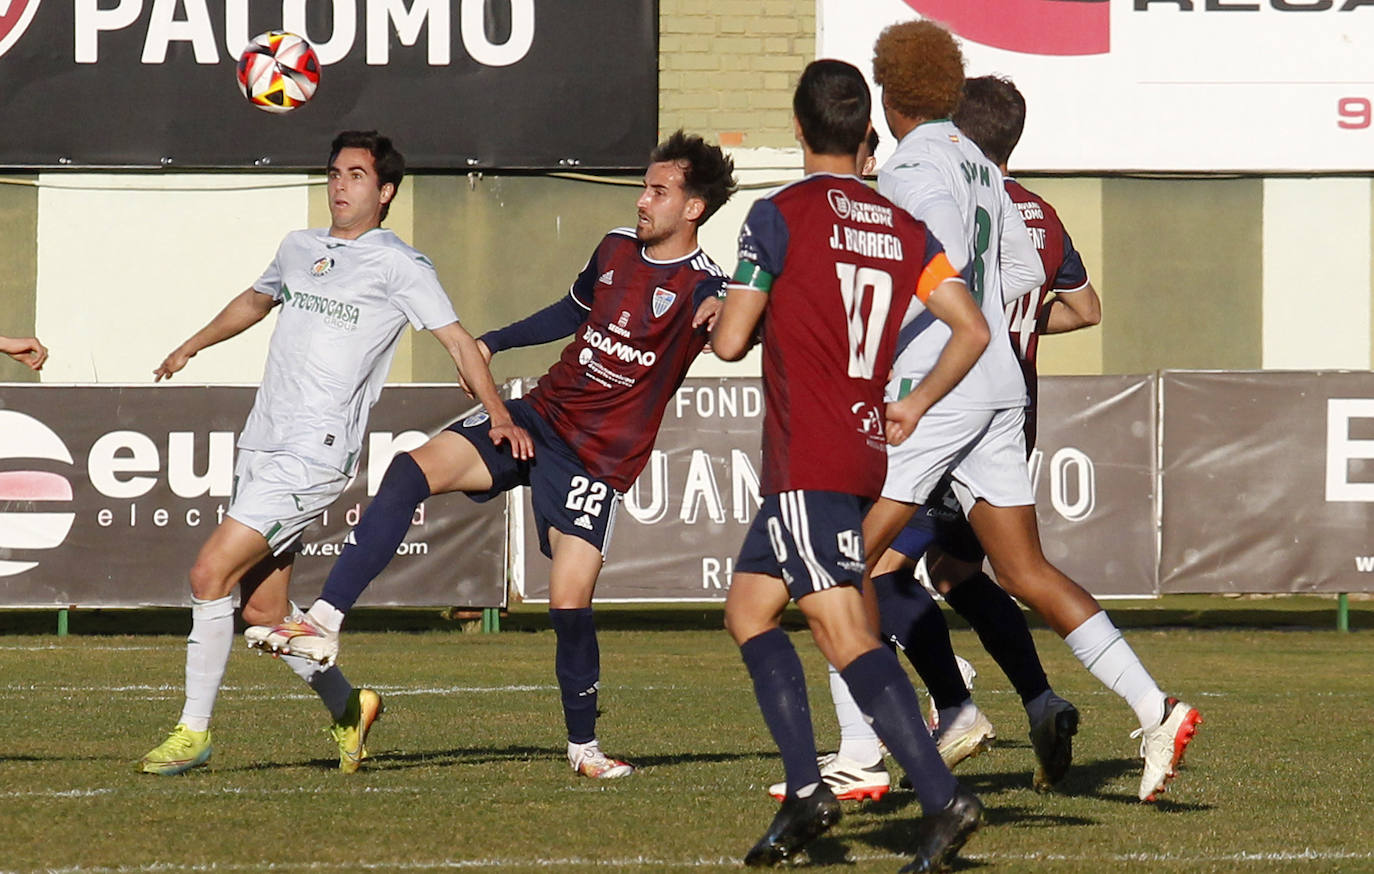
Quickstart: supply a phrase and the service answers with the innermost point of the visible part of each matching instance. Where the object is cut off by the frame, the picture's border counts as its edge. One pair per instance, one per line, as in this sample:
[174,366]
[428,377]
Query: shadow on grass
[896,836]
[399,761]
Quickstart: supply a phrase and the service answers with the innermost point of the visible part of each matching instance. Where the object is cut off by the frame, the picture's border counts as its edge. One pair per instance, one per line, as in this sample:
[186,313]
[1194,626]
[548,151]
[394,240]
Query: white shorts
[278,494]
[983,450]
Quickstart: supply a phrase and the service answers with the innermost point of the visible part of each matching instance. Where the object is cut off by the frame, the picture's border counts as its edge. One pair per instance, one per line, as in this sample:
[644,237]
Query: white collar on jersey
[643,253]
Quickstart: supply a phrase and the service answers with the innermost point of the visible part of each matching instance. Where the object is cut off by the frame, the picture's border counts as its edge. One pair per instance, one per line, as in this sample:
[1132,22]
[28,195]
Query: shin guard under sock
[577,663]
[1002,628]
[885,694]
[912,621]
[207,657]
[373,541]
[780,687]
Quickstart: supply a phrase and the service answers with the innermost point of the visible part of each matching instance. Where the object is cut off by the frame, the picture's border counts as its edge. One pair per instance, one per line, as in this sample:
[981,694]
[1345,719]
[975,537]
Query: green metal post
[1342,612]
[491,620]
[62,622]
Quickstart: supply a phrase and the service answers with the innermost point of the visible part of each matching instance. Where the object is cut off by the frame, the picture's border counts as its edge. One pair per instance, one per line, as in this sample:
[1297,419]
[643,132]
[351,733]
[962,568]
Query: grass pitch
[468,769]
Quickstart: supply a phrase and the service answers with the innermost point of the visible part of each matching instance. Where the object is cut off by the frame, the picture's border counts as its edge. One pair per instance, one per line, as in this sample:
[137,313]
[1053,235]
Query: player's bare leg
[451,463]
[577,659]
[882,523]
[1012,540]
[1011,537]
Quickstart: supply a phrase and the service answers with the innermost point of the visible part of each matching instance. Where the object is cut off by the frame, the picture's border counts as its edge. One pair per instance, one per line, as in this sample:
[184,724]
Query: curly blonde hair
[920,69]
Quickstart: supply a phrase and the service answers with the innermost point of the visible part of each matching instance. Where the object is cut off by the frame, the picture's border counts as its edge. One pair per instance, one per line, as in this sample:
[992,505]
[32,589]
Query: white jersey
[344,304]
[940,177]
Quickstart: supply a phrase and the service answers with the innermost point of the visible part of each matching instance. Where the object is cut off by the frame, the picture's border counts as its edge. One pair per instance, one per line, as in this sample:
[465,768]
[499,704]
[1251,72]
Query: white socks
[858,741]
[207,655]
[958,718]
[326,616]
[1098,644]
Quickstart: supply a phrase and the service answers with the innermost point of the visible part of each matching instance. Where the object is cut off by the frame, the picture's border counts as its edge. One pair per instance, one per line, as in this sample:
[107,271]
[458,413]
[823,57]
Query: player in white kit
[976,432]
[346,295]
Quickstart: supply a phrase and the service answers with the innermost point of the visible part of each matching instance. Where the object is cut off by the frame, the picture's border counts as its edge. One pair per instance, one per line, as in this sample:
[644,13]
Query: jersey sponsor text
[617,349]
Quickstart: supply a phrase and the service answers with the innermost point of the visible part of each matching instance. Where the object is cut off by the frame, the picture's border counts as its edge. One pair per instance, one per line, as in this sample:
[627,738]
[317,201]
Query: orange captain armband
[751,275]
[937,271]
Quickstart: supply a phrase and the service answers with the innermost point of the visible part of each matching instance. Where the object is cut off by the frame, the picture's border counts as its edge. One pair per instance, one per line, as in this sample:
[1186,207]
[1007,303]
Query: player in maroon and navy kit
[1074,303]
[639,314]
[992,114]
[836,267]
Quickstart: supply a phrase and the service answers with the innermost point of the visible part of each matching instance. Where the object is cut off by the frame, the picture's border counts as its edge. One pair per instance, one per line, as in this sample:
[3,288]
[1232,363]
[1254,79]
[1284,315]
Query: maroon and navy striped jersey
[606,394]
[1064,271]
[844,269]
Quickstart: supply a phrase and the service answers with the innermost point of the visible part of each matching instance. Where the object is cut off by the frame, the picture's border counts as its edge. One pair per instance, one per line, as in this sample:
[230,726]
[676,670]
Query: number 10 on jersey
[860,286]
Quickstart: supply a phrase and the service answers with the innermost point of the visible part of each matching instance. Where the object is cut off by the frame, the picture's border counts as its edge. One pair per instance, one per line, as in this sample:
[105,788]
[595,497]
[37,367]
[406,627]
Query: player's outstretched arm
[241,313]
[475,376]
[1072,310]
[950,303]
[26,350]
[736,326]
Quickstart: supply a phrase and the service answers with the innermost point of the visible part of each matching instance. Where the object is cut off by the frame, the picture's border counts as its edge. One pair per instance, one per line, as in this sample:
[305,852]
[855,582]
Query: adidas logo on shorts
[583,521]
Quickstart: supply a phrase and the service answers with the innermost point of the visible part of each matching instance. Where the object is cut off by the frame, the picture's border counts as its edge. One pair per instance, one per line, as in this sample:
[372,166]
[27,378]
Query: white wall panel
[131,265]
[1316,274]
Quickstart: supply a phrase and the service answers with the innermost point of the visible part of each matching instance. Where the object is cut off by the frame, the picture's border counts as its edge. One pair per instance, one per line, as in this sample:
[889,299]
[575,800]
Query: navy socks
[374,539]
[882,690]
[1002,628]
[780,687]
[577,663]
[912,621]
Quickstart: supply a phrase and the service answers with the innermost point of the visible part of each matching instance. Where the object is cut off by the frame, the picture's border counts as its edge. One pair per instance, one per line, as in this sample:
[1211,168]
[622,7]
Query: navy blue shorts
[564,496]
[811,540]
[940,521]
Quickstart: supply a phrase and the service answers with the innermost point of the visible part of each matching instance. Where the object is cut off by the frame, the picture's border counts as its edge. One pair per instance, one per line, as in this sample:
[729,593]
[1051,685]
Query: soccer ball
[278,71]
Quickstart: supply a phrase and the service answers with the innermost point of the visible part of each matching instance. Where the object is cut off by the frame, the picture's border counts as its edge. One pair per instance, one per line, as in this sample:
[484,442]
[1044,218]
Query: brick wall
[727,67]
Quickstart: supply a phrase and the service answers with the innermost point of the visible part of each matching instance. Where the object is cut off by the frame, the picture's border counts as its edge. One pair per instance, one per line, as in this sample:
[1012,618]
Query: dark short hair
[390,163]
[873,141]
[832,105]
[707,173]
[992,114]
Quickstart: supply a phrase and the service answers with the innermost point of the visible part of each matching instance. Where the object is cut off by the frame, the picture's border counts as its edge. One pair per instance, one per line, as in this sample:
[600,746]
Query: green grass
[468,769]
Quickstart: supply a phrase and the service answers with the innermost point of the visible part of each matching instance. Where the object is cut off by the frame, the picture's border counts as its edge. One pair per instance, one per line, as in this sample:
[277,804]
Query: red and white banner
[1157,85]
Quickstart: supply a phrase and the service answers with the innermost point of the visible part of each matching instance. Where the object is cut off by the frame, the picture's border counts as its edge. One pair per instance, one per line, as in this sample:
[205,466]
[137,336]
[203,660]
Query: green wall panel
[1183,261]
[19,271]
[506,246]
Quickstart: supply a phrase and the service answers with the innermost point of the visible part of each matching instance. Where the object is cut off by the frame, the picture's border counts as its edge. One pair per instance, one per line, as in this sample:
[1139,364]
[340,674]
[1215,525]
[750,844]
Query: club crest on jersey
[322,266]
[663,299]
[476,418]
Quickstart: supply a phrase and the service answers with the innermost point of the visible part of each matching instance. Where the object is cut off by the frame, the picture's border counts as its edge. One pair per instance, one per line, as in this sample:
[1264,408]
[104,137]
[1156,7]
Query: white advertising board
[1158,85]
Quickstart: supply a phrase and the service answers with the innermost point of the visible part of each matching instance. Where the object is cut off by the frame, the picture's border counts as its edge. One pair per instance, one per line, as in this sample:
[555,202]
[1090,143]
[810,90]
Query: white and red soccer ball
[278,71]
